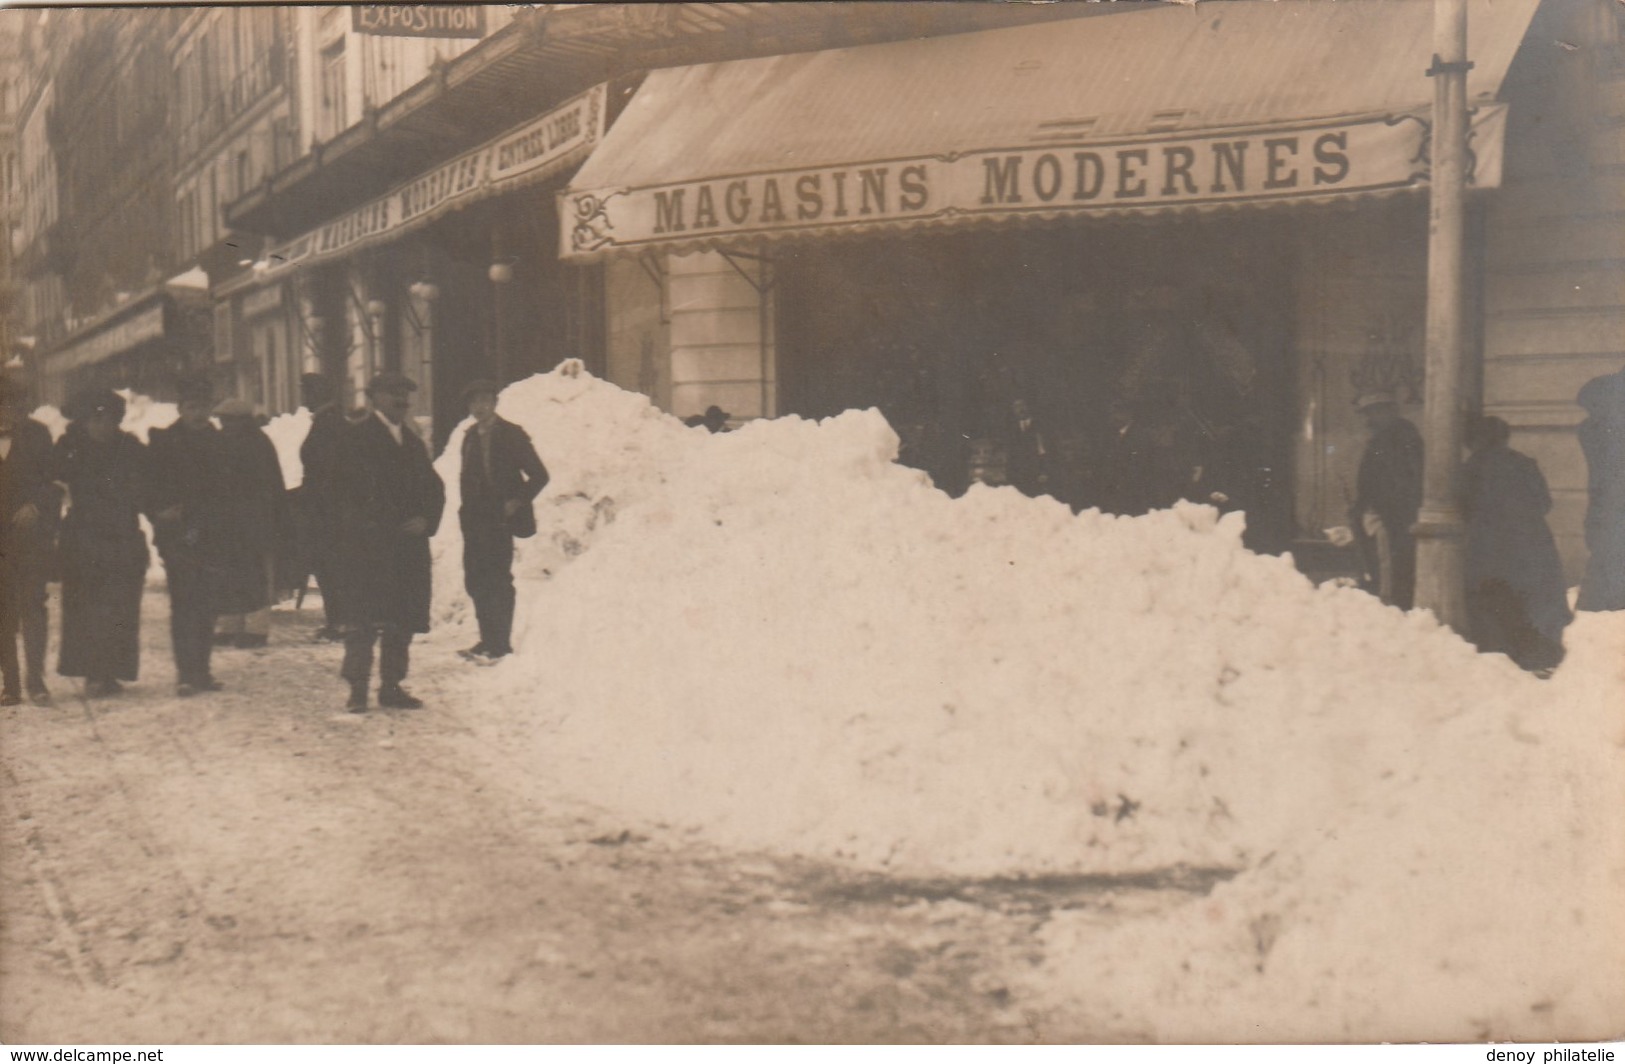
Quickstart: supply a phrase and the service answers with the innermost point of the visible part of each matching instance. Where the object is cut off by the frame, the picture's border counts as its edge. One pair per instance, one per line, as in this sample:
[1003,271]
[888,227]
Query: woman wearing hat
[102,549]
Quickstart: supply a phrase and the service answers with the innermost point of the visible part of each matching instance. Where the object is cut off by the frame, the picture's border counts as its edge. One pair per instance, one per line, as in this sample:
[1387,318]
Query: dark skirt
[101,606]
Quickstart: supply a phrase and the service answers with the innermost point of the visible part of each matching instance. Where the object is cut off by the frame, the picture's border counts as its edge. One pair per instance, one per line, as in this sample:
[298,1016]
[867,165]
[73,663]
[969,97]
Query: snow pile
[1474,896]
[143,413]
[51,418]
[287,433]
[783,637]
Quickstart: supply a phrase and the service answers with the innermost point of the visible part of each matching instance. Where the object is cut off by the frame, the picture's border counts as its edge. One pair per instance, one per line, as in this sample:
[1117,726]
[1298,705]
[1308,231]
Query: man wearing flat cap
[389,503]
[187,502]
[501,477]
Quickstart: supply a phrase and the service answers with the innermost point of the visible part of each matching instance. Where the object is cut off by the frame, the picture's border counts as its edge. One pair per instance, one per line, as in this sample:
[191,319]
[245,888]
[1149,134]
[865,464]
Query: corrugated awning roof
[1160,79]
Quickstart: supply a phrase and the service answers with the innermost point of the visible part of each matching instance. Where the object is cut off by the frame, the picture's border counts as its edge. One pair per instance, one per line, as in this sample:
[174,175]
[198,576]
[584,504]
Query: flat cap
[392,384]
[480,387]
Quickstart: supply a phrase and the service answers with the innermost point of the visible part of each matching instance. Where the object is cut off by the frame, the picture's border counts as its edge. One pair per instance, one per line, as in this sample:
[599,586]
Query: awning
[1165,107]
[535,151]
[142,319]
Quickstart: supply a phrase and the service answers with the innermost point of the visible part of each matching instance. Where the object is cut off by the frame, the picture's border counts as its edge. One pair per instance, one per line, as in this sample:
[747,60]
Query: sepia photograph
[898,522]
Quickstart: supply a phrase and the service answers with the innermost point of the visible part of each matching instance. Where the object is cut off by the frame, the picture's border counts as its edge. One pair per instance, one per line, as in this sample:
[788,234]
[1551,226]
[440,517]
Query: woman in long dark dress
[102,549]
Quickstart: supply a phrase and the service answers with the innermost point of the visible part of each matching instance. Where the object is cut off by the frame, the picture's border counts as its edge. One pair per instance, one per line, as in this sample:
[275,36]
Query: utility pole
[1440,546]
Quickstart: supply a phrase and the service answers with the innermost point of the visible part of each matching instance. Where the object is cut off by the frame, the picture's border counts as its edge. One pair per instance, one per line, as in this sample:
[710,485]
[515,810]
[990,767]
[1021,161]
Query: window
[330,119]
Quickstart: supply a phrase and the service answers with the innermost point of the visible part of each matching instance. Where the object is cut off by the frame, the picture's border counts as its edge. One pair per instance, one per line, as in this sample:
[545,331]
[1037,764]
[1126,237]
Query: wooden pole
[1440,562]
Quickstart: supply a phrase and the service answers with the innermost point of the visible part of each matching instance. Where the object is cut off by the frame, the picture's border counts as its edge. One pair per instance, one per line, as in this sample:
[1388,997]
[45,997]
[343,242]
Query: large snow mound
[783,637]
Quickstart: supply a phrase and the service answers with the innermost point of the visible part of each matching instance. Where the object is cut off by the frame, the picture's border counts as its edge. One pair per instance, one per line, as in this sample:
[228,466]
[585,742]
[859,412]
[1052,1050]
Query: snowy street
[256,866]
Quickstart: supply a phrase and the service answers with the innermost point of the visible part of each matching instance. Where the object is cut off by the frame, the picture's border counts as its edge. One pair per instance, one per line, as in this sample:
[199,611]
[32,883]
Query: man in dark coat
[30,506]
[1517,603]
[316,506]
[102,550]
[1602,438]
[389,503]
[1387,498]
[187,500]
[501,477]
[254,516]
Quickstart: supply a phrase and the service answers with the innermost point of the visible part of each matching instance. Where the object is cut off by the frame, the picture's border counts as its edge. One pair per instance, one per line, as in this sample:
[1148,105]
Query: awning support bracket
[732,257]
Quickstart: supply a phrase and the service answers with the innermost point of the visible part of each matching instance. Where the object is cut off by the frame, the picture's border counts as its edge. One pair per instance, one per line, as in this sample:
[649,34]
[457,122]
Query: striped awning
[1163,107]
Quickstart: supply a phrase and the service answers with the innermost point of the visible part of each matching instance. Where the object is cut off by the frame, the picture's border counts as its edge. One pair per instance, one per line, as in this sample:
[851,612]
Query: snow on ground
[781,637]
[287,432]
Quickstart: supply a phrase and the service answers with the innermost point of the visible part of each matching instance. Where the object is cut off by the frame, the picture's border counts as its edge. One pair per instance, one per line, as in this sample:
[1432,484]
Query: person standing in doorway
[1602,438]
[103,553]
[389,502]
[1387,499]
[254,514]
[187,503]
[30,505]
[501,478]
[316,504]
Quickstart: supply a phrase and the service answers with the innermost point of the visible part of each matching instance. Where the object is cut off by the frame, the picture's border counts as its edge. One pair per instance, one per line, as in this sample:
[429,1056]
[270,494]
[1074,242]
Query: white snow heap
[287,433]
[780,637]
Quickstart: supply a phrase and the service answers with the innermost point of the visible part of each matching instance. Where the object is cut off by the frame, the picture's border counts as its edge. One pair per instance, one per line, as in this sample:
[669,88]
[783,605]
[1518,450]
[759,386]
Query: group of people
[363,516]
[1517,601]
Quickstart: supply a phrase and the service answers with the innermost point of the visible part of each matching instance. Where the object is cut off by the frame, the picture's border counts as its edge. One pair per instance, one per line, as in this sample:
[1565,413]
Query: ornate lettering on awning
[534,151]
[1280,163]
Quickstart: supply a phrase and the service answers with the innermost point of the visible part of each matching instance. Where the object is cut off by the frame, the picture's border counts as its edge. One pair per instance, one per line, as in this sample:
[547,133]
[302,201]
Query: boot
[358,698]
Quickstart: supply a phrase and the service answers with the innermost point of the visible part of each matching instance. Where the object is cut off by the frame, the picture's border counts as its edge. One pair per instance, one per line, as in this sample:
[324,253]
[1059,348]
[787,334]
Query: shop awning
[1165,107]
[535,151]
[143,319]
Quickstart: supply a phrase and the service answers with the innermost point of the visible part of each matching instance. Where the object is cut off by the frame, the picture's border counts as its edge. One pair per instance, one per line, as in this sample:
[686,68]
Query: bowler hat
[480,387]
[195,390]
[391,384]
[1367,400]
[234,408]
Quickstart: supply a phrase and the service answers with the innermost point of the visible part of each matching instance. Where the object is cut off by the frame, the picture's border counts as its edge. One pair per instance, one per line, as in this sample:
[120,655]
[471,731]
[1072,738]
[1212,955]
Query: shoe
[38,695]
[209,683]
[10,698]
[225,639]
[358,699]
[328,634]
[102,688]
[185,690]
[498,652]
[478,650]
[249,641]
[395,697]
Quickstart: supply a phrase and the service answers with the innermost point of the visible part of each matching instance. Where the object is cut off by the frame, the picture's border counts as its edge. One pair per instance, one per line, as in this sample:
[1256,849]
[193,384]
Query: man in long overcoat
[30,506]
[254,515]
[1602,438]
[316,505]
[501,477]
[1516,598]
[102,549]
[1387,499]
[389,504]
[187,499]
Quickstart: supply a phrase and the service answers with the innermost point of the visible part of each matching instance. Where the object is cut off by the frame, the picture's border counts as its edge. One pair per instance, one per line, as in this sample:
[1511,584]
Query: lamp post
[1440,563]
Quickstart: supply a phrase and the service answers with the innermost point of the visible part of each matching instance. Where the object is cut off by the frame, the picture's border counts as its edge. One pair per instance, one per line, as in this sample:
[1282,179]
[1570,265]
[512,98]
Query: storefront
[447,277]
[145,344]
[1117,259]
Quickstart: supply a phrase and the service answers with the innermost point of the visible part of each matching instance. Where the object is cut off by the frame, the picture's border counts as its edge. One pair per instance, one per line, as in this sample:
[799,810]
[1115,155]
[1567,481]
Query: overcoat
[385,576]
[185,473]
[27,476]
[103,553]
[515,473]
[254,515]
[1506,501]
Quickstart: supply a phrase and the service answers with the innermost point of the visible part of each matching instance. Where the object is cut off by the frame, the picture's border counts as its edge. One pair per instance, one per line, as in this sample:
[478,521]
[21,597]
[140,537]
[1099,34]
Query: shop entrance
[1118,365]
